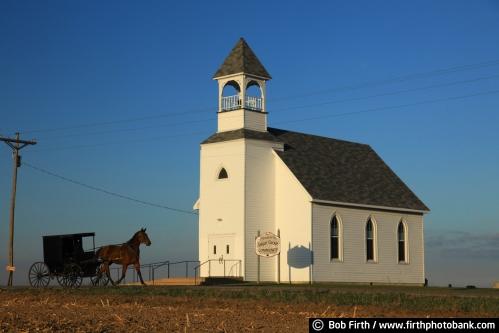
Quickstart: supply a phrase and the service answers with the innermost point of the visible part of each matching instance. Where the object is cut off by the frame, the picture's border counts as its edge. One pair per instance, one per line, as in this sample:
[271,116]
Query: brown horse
[125,254]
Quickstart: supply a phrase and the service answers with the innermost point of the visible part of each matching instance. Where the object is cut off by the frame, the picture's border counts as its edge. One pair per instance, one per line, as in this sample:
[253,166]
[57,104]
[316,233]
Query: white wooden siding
[236,119]
[354,268]
[259,206]
[221,202]
[230,120]
[255,121]
[293,213]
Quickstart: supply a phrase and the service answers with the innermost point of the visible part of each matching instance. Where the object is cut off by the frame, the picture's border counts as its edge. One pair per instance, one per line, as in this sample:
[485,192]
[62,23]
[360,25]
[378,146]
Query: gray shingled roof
[242,60]
[239,134]
[336,170]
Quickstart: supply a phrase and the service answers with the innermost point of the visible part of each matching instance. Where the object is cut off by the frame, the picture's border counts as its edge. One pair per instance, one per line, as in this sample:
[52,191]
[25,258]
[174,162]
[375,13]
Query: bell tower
[243,74]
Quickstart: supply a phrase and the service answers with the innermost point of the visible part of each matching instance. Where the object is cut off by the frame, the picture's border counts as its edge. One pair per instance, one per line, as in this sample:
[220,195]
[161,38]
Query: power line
[452,83]
[119,130]
[127,120]
[115,194]
[131,129]
[448,84]
[382,108]
[121,142]
[403,78]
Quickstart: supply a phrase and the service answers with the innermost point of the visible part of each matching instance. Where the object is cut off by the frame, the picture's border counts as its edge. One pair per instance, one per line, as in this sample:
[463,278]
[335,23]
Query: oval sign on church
[268,245]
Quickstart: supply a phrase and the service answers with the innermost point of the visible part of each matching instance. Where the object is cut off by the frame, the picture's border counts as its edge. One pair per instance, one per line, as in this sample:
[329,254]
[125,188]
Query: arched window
[253,96]
[230,99]
[401,235]
[231,88]
[335,239]
[370,240]
[223,174]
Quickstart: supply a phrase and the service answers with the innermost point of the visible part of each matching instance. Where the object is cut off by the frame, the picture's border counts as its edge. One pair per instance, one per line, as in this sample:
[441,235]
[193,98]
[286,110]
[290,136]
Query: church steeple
[243,72]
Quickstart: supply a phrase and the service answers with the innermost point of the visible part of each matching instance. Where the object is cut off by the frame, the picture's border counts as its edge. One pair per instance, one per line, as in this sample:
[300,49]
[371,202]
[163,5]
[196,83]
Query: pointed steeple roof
[242,60]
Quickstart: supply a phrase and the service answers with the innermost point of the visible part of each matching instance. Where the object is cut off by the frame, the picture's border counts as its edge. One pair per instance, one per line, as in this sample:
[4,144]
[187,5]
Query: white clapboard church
[342,214]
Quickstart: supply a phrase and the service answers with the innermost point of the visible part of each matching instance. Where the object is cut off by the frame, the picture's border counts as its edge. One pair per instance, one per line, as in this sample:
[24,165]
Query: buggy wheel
[39,275]
[100,278]
[62,280]
[71,277]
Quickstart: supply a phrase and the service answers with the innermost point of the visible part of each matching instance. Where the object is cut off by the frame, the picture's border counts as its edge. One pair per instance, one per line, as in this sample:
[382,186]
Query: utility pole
[16,145]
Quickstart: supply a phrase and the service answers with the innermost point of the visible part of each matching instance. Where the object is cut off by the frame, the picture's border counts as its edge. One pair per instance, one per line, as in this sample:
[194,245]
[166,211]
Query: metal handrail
[198,270]
[168,264]
[152,267]
[149,266]
[233,265]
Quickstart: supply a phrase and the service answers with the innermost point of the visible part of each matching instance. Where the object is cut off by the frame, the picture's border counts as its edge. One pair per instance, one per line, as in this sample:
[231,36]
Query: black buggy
[65,259]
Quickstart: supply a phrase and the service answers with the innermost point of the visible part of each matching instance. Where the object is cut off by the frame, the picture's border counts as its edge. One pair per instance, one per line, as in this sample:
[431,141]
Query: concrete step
[217,280]
[178,281]
[171,282]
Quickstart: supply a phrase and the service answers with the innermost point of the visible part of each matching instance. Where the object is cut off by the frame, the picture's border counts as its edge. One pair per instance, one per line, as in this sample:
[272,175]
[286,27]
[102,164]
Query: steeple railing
[230,103]
[253,103]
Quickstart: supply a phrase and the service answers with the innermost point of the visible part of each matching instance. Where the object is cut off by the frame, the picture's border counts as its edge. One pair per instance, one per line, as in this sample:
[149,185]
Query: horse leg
[108,273]
[124,267]
[137,268]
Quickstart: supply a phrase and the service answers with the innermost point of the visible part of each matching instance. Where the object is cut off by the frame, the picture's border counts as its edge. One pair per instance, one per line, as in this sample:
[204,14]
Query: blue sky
[119,95]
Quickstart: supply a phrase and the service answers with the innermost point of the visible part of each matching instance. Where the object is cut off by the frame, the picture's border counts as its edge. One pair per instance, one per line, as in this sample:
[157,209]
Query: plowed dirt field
[225,309]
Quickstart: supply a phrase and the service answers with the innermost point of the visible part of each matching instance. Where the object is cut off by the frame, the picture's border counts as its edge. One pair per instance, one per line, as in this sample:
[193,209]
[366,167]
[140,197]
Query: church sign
[268,245]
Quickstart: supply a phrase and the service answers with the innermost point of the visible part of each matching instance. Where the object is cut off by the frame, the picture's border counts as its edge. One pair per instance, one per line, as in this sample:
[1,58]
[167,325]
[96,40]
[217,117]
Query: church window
[370,241]
[401,236]
[230,96]
[253,99]
[223,174]
[335,234]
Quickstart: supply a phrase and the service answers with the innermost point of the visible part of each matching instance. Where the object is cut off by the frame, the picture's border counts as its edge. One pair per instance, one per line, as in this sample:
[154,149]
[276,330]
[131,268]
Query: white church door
[221,255]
